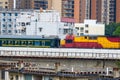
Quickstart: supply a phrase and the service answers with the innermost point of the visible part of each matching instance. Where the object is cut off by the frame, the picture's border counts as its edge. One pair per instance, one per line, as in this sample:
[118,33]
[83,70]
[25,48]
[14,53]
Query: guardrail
[60,53]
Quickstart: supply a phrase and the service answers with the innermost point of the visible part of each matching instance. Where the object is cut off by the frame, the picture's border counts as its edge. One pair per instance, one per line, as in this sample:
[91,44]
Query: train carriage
[29,41]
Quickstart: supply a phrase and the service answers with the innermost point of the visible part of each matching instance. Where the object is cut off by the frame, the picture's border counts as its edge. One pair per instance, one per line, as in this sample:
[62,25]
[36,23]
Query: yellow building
[4,4]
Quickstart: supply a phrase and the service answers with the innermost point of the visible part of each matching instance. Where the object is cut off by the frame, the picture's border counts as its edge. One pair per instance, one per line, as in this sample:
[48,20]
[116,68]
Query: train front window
[69,41]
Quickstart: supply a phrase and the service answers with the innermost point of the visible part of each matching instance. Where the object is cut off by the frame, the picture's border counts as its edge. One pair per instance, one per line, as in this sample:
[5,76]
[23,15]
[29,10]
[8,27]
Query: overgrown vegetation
[112,29]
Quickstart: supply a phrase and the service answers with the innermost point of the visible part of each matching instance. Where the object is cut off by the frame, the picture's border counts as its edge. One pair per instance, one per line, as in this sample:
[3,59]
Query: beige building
[4,4]
[53,4]
[90,27]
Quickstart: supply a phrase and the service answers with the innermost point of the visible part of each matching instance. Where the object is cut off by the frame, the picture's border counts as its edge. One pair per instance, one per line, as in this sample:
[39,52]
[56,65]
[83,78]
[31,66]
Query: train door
[0,42]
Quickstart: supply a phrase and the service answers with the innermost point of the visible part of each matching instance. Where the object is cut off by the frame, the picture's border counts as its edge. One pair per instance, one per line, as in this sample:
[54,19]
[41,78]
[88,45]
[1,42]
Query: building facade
[8,22]
[4,4]
[102,10]
[28,4]
[68,26]
[105,11]
[117,11]
[90,27]
[34,22]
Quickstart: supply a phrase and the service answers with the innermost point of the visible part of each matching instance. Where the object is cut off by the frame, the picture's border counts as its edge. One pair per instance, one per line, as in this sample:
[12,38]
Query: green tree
[110,28]
[117,31]
[118,64]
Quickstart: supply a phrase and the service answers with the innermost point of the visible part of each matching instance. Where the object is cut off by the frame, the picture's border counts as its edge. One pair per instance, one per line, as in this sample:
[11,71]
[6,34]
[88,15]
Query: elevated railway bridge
[58,63]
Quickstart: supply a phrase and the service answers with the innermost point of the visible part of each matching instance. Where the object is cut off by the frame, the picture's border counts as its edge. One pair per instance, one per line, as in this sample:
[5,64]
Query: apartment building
[81,10]
[105,11]
[28,4]
[118,11]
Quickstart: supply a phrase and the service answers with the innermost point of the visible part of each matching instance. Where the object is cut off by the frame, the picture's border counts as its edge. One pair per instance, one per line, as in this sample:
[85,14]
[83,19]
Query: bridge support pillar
[46,78]
[7,75]
[0,74]
[56,78]
[57,67]
[21,77]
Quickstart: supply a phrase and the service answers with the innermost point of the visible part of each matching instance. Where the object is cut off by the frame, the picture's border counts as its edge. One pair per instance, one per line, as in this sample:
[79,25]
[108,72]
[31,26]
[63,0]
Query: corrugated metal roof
[26,36]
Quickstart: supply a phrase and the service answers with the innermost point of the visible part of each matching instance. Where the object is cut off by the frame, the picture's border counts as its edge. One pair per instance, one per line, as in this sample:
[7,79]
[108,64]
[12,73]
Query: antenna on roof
[41,9]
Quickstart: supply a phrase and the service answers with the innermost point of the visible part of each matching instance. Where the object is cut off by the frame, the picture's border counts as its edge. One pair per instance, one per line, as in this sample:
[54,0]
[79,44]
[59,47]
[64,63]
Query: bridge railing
[61,53]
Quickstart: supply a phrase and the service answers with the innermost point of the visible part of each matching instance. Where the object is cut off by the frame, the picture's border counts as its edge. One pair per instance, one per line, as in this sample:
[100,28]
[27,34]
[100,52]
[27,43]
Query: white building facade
[90,27]
[45,23]
[8,22]
[31,22]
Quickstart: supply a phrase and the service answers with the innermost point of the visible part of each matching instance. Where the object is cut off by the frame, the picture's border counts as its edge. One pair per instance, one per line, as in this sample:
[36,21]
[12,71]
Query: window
[9,19]
[77,28]
[23,42]
[81,34]
[40,29]
[3,14]
[86,25]
[9,31]
[77,34]
[4,25]
[3,42]
[81,28]
[93,37]
[15,31]
[9,14]
[6,6]
[69,41]
[16,42]
[3,31]
[16,14]
[86,37]
[37,43]
[9,25]
[86,31]
[65,31]
[28,23]
[43,43]
[23,24]
[6,2]
[4,20]
[30,42]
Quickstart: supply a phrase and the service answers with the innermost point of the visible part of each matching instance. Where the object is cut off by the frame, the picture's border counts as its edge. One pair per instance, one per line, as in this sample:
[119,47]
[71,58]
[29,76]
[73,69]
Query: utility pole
[14,5]
[36,27]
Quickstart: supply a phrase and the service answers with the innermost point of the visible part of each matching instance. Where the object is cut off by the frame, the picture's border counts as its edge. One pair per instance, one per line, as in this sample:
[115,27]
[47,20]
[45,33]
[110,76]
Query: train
[29,41]
[104,42]
[70,41]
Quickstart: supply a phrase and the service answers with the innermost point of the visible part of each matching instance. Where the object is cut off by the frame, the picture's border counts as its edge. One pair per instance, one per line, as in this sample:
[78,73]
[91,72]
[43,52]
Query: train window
[3,42]
[9,42]
[37,43]
[52,43]
[24,42]
[93,38]
[43,43]
[47,43]
[6,41]
[69,41]
[30,42]
[13,42]
[16,42]
[85,37]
